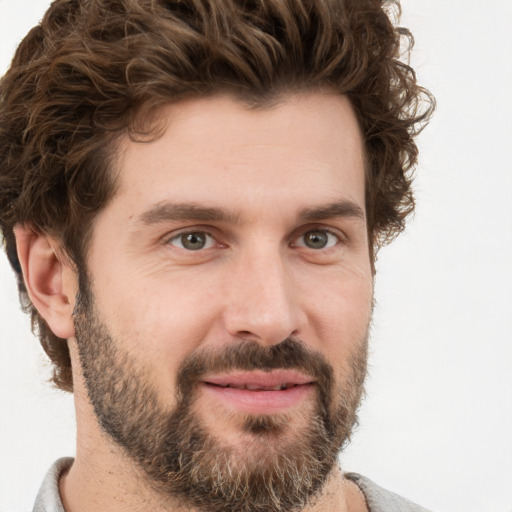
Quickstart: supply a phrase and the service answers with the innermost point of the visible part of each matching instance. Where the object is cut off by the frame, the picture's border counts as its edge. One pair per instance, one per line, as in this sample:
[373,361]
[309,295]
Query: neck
[102,477]
[94,486]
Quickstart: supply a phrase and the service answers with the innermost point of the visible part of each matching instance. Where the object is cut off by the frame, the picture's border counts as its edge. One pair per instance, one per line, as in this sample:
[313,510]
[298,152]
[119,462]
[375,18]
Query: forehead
[216,150]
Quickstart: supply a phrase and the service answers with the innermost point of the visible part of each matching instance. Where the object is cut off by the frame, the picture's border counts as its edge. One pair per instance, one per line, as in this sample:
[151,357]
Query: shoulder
[48,497]
[381,500]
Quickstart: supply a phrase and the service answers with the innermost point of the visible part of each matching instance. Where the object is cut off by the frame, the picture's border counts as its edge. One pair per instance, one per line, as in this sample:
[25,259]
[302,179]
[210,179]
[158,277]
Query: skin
[271,171]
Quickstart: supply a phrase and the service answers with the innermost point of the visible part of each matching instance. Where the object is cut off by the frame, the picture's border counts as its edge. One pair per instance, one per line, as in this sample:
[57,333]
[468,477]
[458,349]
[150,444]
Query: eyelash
[181,235]
[330,233]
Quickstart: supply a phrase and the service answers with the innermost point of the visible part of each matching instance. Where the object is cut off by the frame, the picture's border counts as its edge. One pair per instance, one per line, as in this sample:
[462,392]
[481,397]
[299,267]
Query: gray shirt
[377,499]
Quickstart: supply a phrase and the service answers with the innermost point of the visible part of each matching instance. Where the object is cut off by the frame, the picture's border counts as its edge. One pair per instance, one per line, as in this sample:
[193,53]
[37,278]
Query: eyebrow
[166,211]
[337,209]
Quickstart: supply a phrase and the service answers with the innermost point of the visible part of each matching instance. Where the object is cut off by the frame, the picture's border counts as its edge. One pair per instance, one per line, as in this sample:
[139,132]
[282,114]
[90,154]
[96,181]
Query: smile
[260,392]
[252,387]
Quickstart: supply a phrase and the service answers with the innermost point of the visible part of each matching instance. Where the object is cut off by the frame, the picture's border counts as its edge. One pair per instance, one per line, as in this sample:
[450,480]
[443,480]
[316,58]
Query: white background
[437,423]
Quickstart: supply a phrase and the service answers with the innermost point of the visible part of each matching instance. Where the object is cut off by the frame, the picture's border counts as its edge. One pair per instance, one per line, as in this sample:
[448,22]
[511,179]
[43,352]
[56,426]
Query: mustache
[250,355]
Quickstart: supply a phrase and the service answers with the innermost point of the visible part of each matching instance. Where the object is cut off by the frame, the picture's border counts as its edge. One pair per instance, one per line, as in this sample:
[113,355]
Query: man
[192,194]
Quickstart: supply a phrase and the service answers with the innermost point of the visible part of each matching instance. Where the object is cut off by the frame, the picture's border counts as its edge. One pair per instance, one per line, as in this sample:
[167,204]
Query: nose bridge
[262,297]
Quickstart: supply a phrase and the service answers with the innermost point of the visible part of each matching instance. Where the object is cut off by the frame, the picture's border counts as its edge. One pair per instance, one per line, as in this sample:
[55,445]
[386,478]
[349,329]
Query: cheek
[341,314]
[157,320]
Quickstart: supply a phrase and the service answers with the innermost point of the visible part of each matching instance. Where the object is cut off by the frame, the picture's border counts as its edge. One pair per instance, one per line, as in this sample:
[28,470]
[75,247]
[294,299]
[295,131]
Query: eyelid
[169,237]
[342,238]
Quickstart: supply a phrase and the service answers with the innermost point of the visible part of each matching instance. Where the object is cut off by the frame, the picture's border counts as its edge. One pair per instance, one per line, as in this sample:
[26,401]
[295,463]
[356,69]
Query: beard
[281,469]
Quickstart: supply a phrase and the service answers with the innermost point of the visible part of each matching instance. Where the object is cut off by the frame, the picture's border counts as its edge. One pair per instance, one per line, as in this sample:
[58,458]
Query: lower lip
[260,402]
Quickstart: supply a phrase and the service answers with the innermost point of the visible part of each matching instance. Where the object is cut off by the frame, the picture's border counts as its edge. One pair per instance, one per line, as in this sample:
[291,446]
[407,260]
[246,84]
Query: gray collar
[377,498]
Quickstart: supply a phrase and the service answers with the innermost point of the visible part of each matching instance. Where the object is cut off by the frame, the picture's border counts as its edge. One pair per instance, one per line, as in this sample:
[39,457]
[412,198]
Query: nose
[263,303]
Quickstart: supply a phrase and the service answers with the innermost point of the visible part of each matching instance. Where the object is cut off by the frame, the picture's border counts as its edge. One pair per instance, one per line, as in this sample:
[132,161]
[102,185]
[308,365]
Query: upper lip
[260,380]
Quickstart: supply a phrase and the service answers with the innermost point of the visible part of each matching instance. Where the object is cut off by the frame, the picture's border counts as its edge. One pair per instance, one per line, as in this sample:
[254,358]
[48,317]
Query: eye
[193,241]
[317,239]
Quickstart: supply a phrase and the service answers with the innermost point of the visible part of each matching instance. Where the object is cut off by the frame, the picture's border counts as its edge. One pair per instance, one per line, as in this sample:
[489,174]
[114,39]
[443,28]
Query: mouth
[255,387]
[260,392]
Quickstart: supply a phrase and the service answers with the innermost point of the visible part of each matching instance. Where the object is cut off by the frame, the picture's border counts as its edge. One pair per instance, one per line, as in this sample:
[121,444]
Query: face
[222,332]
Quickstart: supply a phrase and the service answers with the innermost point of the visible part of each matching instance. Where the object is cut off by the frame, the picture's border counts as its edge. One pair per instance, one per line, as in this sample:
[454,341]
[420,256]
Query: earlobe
[49,279]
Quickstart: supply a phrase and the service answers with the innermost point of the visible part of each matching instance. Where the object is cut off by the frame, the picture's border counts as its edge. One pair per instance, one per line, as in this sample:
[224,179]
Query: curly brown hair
[97,69]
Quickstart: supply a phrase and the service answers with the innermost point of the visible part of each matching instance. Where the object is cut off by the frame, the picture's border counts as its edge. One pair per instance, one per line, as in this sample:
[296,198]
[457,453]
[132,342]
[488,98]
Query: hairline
[252,100]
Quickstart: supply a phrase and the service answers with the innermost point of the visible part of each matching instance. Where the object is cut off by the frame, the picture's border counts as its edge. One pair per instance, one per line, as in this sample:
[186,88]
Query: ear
[49,278]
